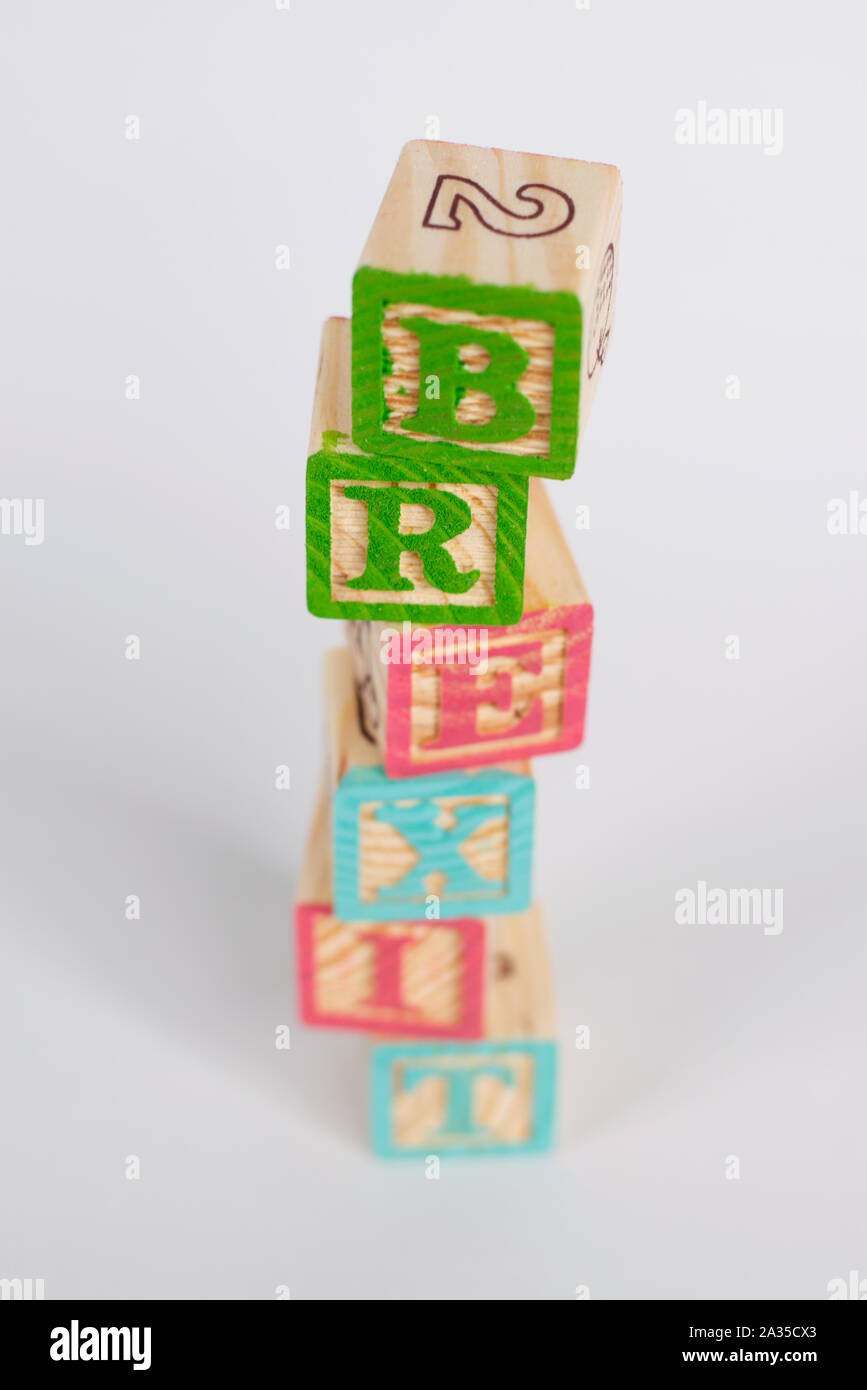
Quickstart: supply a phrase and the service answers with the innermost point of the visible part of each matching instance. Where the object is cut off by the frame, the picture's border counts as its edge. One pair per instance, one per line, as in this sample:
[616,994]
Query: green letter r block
[380,538]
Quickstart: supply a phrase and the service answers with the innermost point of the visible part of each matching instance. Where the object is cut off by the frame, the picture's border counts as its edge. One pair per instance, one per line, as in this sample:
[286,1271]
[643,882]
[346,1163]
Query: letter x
[438,849]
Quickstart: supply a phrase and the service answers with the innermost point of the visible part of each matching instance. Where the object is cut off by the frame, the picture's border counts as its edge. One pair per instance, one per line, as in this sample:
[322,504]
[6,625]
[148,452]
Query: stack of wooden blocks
[481,315]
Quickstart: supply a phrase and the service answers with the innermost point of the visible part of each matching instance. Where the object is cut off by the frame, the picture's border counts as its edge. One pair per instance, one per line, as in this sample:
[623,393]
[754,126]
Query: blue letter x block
[412,806]
[438,848]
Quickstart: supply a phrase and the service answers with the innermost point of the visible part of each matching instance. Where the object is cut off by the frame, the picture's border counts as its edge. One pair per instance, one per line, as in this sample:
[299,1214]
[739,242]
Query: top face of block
[482,307]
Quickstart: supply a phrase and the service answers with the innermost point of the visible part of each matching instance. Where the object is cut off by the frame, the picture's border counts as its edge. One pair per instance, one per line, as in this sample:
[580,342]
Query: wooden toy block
[421,979]
[404,539]
[482,308]
[444,845]
[492,1096]
[430,708]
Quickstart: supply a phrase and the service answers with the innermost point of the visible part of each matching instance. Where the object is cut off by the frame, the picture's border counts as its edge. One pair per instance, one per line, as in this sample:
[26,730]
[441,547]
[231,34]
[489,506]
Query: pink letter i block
[418,979]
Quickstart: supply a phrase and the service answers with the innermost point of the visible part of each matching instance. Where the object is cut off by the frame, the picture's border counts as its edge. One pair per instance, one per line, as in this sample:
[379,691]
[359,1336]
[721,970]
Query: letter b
[439,356]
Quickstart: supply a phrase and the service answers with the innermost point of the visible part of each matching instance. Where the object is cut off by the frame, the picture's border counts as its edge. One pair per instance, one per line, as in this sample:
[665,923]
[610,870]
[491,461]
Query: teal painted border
[371,784]
[372,289]
[383,1056]
[511,538]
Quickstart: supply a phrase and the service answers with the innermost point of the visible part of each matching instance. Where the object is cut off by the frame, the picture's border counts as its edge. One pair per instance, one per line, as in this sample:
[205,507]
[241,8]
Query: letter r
[452,515]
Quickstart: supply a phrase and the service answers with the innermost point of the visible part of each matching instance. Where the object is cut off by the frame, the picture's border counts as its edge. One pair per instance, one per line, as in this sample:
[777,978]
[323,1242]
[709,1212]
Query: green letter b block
[446,370]
[440,366]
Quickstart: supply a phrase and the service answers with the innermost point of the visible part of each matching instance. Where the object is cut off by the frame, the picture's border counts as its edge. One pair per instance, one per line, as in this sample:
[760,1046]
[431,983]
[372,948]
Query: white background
[155,1038]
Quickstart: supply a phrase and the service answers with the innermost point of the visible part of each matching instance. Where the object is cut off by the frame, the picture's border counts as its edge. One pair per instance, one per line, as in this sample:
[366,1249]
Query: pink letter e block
[523,692]
[438,699]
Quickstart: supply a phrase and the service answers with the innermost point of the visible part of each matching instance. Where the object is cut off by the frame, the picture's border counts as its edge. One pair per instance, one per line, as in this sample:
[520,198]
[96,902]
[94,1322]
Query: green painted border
[373,288]
[512,491]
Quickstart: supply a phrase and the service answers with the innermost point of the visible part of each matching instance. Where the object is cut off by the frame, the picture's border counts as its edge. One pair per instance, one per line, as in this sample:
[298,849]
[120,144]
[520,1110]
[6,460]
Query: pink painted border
[468,1024]
[577,621]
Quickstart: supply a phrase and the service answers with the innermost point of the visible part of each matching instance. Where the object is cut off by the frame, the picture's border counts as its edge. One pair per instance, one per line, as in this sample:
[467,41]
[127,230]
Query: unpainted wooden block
[483,306]
[443,845]
[439,698]
[418,978]
[402,539]
[495,1095]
